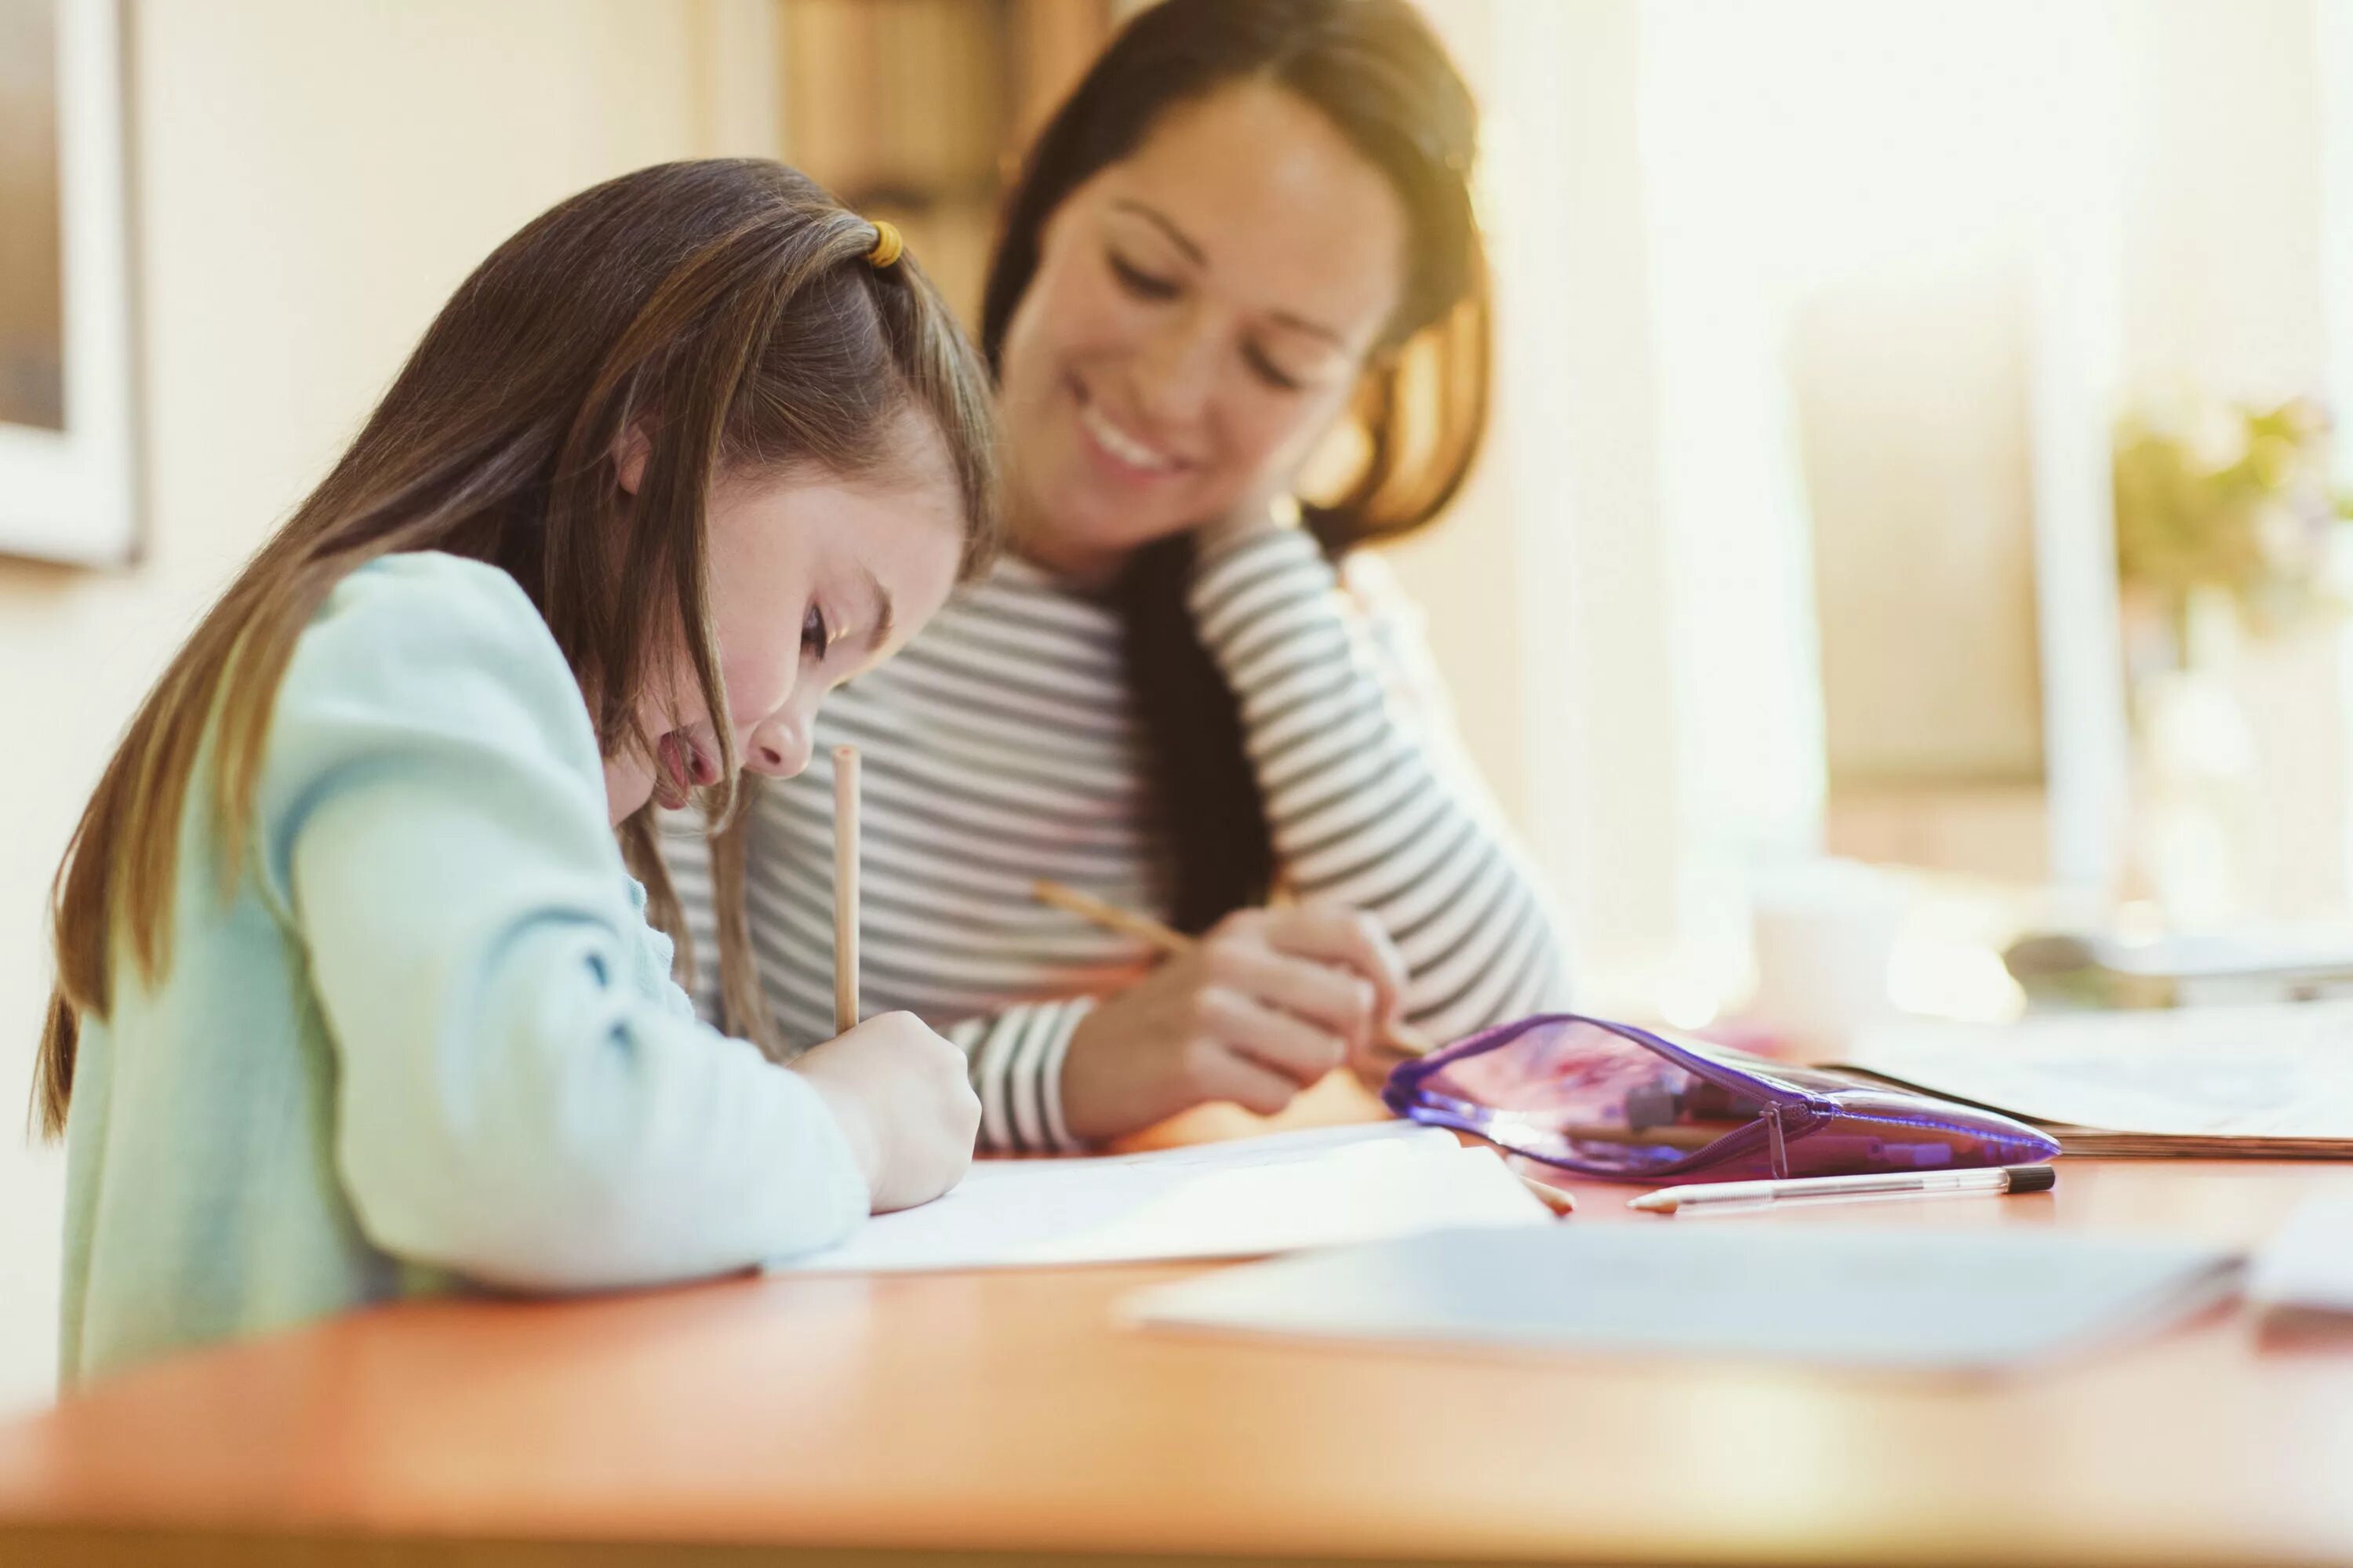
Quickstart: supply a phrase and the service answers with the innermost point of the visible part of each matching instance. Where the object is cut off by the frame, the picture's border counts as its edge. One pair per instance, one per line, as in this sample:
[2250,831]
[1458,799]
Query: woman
[1250,225]
[355,998]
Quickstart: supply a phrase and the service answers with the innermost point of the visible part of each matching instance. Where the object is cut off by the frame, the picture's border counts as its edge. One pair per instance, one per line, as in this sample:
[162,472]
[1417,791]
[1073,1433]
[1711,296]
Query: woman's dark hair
[1375,70]
[725,308]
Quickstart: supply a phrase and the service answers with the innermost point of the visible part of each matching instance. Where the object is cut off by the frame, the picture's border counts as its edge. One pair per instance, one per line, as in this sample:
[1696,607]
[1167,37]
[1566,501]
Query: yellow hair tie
[888,245]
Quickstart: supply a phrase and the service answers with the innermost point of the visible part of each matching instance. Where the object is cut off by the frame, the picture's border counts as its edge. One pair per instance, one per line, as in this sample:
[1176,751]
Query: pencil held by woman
[1373,1041]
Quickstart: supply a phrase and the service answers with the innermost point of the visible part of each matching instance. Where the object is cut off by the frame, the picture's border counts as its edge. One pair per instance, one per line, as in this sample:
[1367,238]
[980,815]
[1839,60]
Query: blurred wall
[2222,195]
[1625,602]
[2230,186]
[312,181]
[1547,588]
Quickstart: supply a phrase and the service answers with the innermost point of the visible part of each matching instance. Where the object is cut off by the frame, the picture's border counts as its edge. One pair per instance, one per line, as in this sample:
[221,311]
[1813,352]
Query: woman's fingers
[1336,934]
[1275,1039]
[1225,1074]
[1330,996]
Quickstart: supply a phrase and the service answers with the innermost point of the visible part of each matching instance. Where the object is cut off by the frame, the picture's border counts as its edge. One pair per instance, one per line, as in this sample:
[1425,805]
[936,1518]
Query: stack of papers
[2219,1083]
[1940,1300]
[1241,1198]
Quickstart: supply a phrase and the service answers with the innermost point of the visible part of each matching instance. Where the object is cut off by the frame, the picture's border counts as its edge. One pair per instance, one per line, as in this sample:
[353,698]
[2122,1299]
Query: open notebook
[2211,1082]
[1241,1199]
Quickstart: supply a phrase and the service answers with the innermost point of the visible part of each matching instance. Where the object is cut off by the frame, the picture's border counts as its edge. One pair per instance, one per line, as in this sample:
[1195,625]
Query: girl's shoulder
[413,622]
[432,644]
[427,595]
[436,670]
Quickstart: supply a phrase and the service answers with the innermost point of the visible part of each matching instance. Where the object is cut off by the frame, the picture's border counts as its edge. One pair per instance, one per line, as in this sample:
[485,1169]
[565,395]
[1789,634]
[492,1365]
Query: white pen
[1724,1196]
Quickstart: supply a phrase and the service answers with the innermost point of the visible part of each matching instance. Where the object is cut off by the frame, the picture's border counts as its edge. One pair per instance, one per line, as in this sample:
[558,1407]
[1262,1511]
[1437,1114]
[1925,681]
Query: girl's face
[1200,315]
[813,580]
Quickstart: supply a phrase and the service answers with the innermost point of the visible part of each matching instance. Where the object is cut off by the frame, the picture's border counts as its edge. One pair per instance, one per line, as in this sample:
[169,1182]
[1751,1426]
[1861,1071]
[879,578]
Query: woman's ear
[632,450]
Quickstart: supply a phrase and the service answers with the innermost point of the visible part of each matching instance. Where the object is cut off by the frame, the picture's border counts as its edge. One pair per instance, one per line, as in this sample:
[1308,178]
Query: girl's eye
[817,636]
[1269,372]
[1139,282]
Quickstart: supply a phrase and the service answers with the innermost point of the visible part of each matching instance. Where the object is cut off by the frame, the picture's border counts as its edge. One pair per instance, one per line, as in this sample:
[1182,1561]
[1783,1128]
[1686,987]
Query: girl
[1250,223]
[356,998]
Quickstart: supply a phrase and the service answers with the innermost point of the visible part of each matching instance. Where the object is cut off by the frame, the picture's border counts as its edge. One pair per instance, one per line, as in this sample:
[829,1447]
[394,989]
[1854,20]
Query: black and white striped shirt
[1003,746]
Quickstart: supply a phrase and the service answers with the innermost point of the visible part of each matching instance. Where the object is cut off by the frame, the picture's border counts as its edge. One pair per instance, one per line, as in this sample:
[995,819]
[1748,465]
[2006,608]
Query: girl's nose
[776,747]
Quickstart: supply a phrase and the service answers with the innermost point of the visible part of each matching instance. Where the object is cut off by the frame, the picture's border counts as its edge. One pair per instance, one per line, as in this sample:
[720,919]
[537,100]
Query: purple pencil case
[1611,1100]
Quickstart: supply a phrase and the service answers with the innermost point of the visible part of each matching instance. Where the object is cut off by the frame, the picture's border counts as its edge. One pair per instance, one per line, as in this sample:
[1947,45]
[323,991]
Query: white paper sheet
[1934,1300]
[2283,1071]
[1241,1199]
[2307,1267]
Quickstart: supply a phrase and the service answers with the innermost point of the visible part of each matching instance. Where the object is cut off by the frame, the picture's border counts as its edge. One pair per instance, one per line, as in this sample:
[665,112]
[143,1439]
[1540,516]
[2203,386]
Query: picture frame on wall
[69,489]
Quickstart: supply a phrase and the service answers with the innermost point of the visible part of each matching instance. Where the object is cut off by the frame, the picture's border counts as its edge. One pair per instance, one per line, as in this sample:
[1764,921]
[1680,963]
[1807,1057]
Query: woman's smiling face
[1200,315]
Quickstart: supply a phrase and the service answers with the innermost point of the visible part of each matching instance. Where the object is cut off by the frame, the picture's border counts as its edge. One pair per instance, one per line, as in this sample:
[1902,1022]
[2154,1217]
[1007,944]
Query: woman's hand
[904,1099]
[1269,1002]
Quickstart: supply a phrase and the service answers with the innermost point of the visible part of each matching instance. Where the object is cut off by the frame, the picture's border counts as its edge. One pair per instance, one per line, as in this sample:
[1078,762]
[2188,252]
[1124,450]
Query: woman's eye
[1139,282]
[817,636]
[1269,372]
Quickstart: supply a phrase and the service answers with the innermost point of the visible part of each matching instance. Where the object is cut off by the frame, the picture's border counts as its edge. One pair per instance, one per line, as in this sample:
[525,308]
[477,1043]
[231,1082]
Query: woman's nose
[1175,379]
[776,747]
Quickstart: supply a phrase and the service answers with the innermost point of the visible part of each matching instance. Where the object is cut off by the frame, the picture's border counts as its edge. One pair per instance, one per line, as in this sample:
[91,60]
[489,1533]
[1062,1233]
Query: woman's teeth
[1122,445]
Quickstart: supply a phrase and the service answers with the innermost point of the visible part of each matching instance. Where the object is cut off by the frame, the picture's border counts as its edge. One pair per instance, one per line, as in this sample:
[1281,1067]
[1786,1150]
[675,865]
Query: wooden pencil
[1559,1200]
[845,888]
[1143,927]
[1111,917]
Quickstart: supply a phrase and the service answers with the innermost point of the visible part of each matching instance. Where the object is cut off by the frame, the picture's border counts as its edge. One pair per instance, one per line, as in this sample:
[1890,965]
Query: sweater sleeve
[1368,797]
[1016,1069]
[522,1095]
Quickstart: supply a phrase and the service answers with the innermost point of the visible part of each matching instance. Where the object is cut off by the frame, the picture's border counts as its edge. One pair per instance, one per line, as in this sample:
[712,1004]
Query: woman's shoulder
[1374,588]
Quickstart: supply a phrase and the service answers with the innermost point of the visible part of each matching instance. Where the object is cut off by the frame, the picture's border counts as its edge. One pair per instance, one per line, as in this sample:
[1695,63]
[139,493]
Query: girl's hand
[904,1101]
[1267,1003]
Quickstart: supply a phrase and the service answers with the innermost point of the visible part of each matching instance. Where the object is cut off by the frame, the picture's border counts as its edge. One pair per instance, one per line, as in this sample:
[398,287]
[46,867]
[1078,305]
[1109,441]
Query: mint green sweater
[429,1038]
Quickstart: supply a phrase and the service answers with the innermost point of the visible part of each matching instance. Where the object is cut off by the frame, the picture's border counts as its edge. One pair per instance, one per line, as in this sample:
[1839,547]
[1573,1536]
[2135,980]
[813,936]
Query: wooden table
[874,1421]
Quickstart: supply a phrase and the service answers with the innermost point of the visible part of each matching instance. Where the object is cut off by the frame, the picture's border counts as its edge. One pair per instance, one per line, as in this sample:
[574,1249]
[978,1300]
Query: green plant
[2228,497]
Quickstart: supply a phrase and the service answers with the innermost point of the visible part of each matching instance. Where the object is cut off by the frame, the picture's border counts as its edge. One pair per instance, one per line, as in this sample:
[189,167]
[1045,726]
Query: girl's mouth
[680,768]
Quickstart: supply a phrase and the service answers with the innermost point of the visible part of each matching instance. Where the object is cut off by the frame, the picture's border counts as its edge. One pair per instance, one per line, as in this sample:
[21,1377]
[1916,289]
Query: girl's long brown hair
[1376,71]
[724,309]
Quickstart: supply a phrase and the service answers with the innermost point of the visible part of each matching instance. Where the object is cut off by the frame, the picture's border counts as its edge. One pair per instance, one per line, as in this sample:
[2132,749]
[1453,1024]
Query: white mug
[1824,934]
